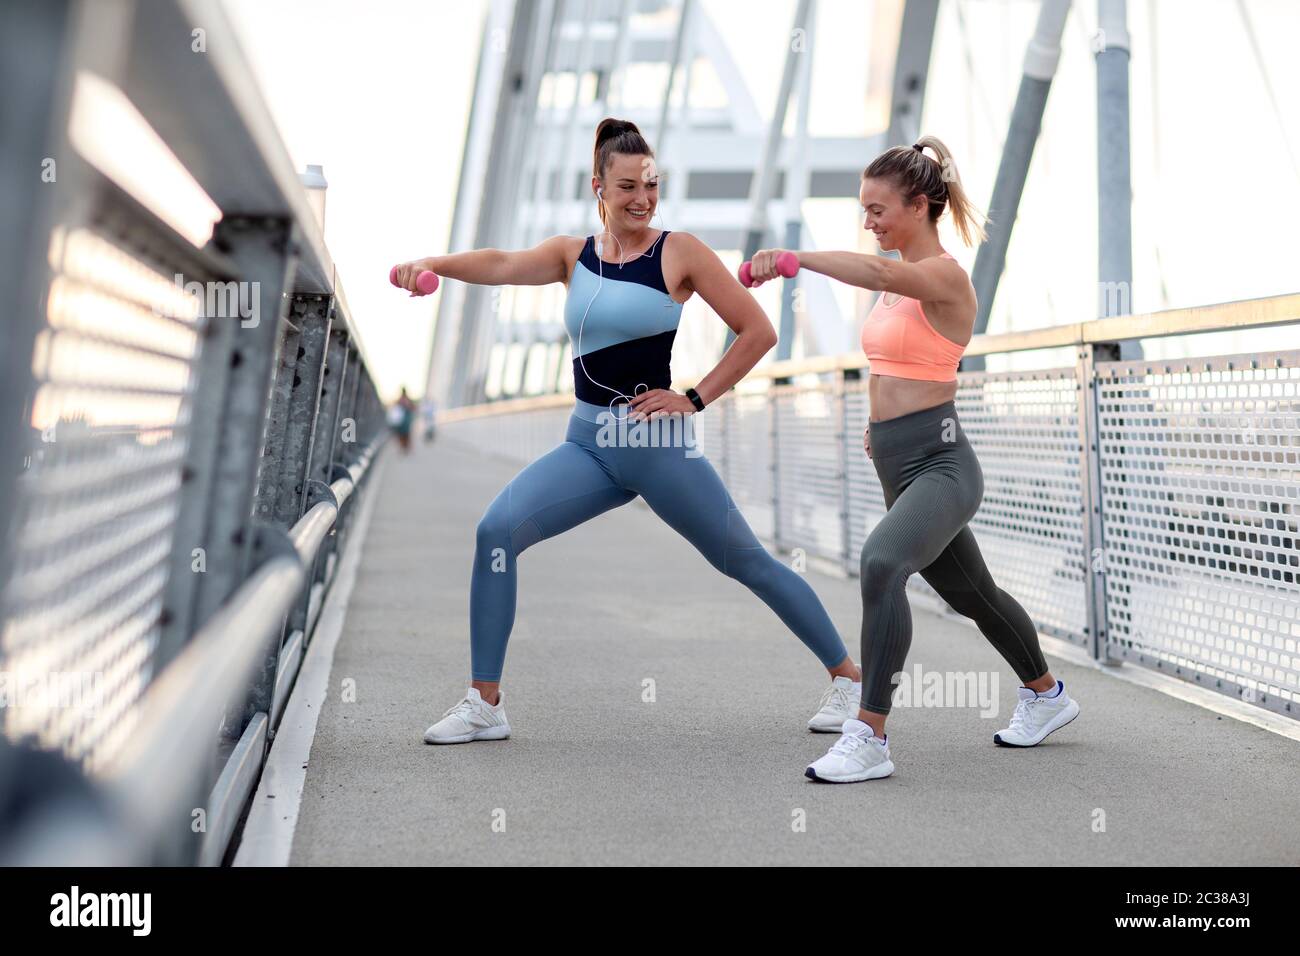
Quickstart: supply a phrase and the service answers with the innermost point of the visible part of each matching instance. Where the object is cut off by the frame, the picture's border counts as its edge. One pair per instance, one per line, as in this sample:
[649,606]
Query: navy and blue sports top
[628,334]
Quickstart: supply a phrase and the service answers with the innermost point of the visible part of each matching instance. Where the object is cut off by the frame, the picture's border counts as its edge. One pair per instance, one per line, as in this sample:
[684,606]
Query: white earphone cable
[600,281]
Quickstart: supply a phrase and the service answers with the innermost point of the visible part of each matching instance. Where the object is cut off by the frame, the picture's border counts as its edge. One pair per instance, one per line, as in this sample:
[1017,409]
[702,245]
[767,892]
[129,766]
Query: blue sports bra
[627,335]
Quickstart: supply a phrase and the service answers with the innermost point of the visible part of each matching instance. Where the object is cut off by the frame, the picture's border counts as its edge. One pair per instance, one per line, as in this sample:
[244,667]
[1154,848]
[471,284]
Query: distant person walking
[428,411]
[401,415]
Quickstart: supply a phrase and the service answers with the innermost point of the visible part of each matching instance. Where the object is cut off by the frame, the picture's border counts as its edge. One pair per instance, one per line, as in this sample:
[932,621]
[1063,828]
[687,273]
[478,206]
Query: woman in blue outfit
[629,433]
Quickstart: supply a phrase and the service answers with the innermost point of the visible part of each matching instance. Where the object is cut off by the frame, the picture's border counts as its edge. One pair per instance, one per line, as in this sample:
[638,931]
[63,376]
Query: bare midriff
[891,397]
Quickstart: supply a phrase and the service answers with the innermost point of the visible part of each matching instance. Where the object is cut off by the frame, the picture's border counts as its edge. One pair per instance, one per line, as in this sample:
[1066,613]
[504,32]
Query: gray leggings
[933,485]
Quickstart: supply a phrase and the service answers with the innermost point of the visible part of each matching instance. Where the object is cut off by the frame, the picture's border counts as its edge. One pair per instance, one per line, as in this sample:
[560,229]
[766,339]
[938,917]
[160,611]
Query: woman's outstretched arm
[755,336]
[930,280]
[541,265]
[736,307]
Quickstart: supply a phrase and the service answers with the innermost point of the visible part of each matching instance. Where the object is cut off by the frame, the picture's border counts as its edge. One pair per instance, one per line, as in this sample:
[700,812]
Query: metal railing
[1147,511]
[196,426]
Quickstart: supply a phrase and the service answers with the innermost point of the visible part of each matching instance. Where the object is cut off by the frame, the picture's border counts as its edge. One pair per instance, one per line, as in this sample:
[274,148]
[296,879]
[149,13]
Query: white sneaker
[472,719]
[1037,716]
[857,755]
[838,704]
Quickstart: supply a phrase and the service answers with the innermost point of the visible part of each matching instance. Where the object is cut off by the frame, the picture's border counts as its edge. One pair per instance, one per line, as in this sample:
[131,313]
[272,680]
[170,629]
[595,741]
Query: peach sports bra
[900,341]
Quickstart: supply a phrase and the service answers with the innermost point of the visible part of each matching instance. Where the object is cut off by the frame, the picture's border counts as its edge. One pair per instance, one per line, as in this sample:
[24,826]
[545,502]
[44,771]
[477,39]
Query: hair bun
[610,127]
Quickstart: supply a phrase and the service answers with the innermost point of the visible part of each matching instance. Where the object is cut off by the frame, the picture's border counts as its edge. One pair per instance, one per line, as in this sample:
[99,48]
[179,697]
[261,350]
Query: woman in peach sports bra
[913,339]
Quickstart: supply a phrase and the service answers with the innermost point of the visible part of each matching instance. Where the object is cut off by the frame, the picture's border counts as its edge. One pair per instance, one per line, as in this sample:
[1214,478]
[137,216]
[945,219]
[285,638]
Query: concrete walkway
[712,770]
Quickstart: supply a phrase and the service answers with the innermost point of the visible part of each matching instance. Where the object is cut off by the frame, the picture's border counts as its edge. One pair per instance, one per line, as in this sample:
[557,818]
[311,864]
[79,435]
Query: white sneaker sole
[826,726]
[487,733]
[1053,725]
[871,773]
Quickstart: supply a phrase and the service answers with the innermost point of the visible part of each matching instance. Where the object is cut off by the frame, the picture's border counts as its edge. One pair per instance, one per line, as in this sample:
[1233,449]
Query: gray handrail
[1218,317]
[154,772]
[153,776]
[221,512]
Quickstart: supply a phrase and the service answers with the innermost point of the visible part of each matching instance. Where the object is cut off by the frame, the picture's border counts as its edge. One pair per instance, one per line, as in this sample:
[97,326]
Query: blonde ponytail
[915,174]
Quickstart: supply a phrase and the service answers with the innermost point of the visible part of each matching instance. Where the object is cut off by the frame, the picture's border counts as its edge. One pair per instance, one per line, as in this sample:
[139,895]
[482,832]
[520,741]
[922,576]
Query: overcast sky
[378,92]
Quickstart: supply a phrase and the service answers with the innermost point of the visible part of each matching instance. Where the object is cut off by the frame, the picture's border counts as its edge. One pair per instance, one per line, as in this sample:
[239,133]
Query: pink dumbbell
[787,263]
[426,281]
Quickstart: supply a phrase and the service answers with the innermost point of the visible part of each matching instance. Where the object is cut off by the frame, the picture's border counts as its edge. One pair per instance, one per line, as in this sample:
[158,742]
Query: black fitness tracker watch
[694,396]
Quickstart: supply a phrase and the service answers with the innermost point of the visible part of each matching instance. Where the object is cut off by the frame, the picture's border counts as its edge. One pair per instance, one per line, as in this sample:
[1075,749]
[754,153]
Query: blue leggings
[599,467]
